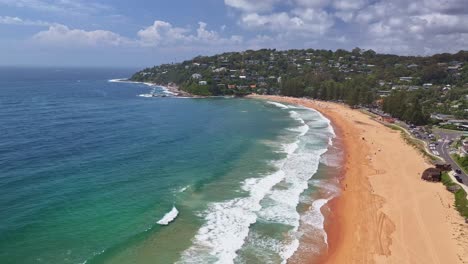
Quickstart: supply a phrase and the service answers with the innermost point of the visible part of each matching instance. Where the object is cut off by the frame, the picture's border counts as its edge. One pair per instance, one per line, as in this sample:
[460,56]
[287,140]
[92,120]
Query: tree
[433,74]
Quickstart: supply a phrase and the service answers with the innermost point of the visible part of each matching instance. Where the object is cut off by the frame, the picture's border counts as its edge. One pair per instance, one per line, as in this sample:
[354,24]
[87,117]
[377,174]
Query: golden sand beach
[385,213]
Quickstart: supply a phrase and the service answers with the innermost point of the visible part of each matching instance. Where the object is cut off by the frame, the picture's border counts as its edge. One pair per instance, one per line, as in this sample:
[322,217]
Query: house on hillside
[406,79]
[196,76]
[383,93]
[427,85]
[202,83]
[461,124]
[442,117]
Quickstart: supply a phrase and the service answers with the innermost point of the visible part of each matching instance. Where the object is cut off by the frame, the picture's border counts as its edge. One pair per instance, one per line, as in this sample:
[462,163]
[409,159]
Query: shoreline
[385,213]
[169,88]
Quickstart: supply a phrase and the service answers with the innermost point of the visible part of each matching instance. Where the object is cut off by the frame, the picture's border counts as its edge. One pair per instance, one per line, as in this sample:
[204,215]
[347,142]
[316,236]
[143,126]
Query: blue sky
[149,32]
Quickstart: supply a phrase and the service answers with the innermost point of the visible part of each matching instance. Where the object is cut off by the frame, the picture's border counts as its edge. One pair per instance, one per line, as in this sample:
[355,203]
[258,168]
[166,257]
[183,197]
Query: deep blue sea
[93,172]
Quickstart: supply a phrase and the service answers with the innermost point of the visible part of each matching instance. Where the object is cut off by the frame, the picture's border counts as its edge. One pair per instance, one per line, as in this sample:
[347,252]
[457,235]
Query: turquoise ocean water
[92,171]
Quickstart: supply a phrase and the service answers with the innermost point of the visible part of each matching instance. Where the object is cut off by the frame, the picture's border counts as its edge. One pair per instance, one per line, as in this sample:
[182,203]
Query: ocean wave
[169,217]
[315,218]
[332,159]
[273,198]
[165,90]
[117,80]
[122,80]
[183,189]
[282,106]
[282,201]
[227,224]
[280,205]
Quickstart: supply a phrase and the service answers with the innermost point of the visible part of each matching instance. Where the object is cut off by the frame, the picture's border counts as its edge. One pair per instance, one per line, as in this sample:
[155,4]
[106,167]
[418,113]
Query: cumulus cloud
[164,33]
[303,21]
[416,27]
[396,26]
[295,17]
[61,35]
[159,34]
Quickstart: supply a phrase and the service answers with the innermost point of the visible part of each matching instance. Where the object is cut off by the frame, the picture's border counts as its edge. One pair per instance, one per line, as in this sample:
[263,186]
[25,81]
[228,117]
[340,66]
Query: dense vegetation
[407,87]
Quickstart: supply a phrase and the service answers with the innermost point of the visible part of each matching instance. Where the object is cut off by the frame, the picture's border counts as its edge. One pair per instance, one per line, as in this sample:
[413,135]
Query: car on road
[458,178]
[458,171]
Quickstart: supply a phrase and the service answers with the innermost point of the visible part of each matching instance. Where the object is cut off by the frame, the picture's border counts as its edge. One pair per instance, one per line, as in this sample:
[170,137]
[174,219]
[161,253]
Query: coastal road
[444,152]
[442,147]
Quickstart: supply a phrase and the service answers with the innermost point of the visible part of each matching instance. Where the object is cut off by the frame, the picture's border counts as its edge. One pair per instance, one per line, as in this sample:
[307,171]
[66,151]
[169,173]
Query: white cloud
[8,20]
[69,6]
[60,35]
[384,25]
[420,26]
[300,21]
[160,34]
[349,5]
[312,3]
[252,5]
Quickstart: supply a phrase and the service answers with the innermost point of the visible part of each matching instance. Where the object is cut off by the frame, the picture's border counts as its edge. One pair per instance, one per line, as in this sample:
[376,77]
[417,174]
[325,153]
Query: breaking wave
[272,198]
[169,217]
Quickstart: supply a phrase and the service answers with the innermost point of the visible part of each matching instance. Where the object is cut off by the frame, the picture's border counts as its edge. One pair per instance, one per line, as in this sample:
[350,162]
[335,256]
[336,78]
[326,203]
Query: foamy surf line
[169,217]
[227,224]
[298,172]
[165,90]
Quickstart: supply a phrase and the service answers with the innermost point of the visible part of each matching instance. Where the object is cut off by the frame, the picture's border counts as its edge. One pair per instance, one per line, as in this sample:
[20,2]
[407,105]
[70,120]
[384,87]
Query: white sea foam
[183,189]
[273,198]
[315,218]
[332,159]
[287,251]
[227,223]
[165,90]
[296,116]
[302,130]
[117,80]
[169,217]
[282,106]
[280,205]
[282,202]
[122,80]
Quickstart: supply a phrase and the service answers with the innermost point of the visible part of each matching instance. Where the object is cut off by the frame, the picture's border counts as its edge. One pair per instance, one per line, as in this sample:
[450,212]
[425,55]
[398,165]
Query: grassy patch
[461,202]
[462,162]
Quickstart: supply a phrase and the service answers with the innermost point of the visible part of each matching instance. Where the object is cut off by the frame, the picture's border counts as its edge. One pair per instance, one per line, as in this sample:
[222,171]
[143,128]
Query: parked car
[458,178]
[458,171]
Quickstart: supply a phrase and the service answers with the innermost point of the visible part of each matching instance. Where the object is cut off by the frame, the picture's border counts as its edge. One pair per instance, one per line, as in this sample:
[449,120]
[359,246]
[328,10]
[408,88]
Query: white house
[406,79]
[196,76]
[202,83]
